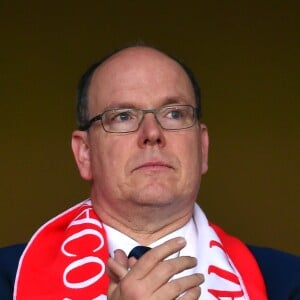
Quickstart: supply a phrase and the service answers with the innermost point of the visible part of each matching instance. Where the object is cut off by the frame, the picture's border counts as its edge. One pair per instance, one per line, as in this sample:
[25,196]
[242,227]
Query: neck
[146,225]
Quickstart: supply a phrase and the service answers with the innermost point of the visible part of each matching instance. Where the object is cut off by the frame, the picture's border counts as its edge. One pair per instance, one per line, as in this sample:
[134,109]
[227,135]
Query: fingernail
[181,241]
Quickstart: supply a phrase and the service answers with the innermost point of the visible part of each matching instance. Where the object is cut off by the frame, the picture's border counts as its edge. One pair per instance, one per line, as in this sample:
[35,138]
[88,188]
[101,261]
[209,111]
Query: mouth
[153,166]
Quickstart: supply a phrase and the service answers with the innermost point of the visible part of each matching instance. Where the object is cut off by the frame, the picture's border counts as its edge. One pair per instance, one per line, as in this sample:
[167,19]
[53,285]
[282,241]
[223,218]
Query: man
[143,147]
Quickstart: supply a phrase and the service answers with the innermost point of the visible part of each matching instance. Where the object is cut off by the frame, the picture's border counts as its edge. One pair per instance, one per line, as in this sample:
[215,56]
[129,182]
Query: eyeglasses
[124,120]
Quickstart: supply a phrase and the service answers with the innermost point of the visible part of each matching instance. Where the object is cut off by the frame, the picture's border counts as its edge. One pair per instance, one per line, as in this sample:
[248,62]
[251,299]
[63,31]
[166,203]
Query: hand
[148,278]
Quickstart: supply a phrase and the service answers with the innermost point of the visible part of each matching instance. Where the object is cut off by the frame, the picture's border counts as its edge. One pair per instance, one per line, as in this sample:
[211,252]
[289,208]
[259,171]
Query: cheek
[190,157]
[109,158]
[190,152]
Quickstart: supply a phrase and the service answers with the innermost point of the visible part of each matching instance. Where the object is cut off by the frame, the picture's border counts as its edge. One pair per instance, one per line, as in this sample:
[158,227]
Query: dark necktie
[138,251]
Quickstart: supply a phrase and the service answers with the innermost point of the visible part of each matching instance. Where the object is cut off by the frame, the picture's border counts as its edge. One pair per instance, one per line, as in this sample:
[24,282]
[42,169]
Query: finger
[187,286]
[115,270]
[121,257]
[192,294]
[131,261]
[151,258]
[165,270]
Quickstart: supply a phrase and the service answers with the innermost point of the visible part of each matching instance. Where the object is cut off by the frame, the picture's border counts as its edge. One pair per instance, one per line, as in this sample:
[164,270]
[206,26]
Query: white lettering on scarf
[222,280]
[226,275]
[84,218]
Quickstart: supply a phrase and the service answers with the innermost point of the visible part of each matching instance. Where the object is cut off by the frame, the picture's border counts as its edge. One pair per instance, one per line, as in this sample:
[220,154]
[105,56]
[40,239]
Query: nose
[150,132]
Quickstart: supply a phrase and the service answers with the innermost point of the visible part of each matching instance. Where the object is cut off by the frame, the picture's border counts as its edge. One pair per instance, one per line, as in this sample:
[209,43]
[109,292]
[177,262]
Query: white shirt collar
[118,240]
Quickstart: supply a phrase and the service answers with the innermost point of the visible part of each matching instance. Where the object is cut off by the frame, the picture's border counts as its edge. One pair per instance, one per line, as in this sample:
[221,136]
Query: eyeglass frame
[196,116]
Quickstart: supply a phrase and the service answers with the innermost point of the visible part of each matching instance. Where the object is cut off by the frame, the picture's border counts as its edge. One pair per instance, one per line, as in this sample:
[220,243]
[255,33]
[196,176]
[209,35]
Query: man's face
[151,167]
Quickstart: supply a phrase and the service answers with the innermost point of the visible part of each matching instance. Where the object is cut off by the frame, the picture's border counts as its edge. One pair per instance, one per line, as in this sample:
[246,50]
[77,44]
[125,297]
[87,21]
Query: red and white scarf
[65,260]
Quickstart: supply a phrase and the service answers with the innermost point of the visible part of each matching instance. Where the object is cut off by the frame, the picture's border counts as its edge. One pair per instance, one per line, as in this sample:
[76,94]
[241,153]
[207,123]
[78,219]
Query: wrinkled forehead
[138,71]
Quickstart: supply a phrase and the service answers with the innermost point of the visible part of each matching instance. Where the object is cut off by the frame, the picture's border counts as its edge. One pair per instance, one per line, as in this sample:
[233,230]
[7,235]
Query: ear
[204,148]
[81,151]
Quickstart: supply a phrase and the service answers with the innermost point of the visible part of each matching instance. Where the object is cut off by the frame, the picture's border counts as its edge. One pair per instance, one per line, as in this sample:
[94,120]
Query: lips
[153,166]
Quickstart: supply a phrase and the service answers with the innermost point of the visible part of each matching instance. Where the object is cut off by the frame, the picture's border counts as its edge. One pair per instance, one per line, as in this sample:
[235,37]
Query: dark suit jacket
[280,270]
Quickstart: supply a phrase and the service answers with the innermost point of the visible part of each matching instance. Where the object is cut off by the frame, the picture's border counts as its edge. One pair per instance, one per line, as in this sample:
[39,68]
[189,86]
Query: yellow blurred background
[246,55]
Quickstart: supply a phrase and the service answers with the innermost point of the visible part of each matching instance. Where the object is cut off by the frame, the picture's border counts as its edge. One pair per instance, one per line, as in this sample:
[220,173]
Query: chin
[156,195]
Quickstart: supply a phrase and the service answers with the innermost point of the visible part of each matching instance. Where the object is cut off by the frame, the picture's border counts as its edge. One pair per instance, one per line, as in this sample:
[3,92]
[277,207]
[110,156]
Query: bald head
[144,59]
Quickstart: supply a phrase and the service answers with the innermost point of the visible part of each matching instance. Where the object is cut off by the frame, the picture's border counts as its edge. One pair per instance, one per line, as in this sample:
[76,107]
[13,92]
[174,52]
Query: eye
[175,114]
[121,116]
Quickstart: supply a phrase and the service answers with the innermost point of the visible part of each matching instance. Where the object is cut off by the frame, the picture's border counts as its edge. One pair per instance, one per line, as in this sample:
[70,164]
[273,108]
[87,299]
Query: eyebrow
[174,100]
[167,101]
[117,105]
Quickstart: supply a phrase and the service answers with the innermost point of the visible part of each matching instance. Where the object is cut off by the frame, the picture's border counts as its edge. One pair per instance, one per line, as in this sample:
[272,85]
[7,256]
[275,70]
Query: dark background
[246,57]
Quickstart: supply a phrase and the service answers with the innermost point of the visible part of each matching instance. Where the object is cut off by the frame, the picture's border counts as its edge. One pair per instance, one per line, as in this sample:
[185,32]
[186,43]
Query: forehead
[141,77]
